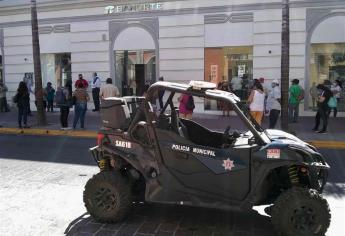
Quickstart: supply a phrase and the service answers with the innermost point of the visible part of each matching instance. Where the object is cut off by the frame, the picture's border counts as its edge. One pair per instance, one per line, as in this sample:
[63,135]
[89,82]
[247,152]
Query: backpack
[332,102]
[60,97]
[301,94]
[190,103]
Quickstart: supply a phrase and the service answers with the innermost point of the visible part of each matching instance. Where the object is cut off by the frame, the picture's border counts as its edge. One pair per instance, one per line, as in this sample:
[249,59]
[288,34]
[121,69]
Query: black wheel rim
[304,219]
[106,199]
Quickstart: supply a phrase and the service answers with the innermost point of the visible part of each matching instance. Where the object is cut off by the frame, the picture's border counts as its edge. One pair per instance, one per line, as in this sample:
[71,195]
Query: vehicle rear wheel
[301,211]
[107,196]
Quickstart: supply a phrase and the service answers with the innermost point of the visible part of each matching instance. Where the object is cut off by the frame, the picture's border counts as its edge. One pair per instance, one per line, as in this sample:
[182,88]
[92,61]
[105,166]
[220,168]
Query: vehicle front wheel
[301,211]
[107,196]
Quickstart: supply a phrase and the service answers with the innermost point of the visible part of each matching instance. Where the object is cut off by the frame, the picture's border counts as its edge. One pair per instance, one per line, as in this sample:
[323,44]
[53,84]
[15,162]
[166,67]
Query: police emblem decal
[228,164]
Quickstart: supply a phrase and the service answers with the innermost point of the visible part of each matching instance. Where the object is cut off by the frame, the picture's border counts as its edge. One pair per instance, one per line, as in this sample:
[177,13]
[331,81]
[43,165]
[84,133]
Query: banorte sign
[133,8]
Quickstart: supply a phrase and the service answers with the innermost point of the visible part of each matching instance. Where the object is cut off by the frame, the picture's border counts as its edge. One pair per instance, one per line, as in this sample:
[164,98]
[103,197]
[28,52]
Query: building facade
[135,42]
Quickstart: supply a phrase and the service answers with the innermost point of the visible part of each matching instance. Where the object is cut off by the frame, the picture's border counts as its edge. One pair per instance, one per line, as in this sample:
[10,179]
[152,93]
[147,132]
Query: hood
[286,138]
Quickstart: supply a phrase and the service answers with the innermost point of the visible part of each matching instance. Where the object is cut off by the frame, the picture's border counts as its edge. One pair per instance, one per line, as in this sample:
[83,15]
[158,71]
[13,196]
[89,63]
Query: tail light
[100,137]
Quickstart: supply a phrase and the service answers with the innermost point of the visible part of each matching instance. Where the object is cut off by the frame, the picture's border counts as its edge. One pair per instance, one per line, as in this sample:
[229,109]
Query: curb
[93,134]
[50,132]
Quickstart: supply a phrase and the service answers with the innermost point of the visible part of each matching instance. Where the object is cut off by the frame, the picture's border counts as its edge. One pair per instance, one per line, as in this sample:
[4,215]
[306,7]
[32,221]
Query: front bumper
[96,154]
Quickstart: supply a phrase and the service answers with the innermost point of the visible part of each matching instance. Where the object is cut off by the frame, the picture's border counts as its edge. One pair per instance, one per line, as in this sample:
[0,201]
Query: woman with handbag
[186,106]
[22,100]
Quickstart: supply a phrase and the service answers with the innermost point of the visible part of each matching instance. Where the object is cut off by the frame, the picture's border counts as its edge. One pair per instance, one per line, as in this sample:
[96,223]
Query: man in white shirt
[109,90]
[96,85]
[273,103]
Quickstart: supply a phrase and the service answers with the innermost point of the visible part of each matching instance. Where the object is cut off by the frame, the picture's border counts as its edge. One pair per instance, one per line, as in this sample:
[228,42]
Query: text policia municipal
[184,148]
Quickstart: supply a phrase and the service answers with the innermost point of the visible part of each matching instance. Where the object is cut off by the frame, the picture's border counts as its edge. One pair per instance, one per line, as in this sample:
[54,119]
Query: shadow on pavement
[154,219]
[55,149]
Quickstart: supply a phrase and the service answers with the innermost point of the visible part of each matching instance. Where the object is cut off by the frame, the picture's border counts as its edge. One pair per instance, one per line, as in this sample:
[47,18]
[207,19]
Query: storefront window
[327,64]
[136,69]
[230,68]
[56,68]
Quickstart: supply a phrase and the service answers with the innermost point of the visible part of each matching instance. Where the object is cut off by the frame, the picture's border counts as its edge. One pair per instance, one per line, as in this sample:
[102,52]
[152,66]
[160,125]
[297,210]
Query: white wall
[181,47]
[90,49]
[229,34]
[267,37]
[18,55]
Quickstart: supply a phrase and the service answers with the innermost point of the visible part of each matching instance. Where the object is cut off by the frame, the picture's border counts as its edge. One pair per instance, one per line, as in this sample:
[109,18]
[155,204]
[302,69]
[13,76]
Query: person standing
[29,83]
[273,103]
[81,98]
[109,90]
[50,91]
[22,99]
[225,106]
[256,102]
[81,81]
[161,94]
[62,100]
[295,96]
[313,93]
[96,85]
[186,106]
[3,100]
[236,84]
[323,109]
[336,89]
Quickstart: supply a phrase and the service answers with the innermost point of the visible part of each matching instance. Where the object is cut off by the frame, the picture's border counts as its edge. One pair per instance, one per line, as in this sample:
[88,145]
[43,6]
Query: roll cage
[241,109]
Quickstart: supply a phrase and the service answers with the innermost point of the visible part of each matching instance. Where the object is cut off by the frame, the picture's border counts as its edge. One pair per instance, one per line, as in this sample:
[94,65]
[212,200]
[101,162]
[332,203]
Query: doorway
[136,69]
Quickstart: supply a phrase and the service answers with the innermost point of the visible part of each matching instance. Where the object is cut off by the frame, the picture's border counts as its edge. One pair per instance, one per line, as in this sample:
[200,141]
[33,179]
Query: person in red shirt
[81,81]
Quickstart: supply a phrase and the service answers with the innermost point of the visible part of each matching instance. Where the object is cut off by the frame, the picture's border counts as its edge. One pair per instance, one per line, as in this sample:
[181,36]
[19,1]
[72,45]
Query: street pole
[285,64]
[41,116]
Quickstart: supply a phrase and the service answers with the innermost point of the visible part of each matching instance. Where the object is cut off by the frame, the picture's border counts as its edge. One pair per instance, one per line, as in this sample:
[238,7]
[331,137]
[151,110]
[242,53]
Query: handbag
[332,102]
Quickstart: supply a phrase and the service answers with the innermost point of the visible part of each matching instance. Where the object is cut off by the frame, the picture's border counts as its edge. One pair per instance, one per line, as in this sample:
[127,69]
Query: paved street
[42,179]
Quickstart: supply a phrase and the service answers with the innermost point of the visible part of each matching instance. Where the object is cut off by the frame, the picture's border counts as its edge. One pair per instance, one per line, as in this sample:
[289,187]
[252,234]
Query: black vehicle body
[177,161]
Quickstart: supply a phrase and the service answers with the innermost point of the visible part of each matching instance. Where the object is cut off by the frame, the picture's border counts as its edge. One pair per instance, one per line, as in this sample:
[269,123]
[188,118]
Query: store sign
[133,8]
[214,73]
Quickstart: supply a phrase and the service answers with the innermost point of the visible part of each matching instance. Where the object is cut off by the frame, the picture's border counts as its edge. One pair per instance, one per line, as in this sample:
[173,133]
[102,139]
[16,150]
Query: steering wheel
[226,132]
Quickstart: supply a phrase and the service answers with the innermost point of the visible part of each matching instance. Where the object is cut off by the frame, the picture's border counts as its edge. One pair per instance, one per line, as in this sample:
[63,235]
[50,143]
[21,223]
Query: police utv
[149,157]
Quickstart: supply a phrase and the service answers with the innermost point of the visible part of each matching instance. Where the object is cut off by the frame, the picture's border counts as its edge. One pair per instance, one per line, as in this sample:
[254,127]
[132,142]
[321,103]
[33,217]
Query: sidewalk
[334,137]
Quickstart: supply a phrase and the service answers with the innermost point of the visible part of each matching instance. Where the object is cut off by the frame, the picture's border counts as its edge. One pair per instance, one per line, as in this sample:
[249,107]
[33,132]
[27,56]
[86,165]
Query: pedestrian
[28,80]
[256,102]
[236,84]
[323,109]
[336,89]
[314,94]
[161,94]
[186,106]
[3,99]
[109,90]
[96,85]
[22,100]
[81,81]
[81,97]
[224,106]
[63,101]
[50,91]
[273,103]
[295,97]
